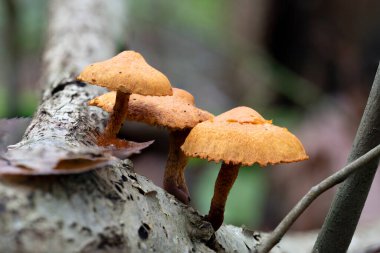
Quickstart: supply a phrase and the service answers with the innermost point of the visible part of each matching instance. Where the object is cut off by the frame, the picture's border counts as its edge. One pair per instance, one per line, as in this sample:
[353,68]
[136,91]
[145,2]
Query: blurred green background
[308,65]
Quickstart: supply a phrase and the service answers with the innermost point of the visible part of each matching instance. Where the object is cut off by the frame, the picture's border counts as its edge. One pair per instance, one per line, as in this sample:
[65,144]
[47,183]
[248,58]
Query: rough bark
[344,213]
[108,210]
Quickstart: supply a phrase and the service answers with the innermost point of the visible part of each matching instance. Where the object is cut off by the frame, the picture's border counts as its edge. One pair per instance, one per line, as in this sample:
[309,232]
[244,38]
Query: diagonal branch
[346,208]
[274,237]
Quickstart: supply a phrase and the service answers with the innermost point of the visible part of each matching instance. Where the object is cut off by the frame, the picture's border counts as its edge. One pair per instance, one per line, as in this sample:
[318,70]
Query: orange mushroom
[238,137]
[178,114]
[126,73]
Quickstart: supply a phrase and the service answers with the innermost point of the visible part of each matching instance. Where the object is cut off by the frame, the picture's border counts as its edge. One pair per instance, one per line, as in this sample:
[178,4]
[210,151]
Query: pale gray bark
[108,210]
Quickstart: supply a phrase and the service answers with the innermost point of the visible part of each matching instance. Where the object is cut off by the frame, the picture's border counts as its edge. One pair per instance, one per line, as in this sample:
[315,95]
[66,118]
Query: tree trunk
[344,213]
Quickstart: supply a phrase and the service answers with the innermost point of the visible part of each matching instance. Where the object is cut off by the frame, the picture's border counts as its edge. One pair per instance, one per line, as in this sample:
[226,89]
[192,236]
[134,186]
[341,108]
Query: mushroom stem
[226,178]
[117,117]
[174,177]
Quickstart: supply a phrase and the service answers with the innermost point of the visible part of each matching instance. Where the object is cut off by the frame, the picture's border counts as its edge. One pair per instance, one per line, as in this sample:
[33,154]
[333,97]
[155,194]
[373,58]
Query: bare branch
[314,192]
[347,206]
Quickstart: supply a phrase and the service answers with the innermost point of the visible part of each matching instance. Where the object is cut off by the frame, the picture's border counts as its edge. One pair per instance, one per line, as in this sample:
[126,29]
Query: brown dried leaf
[72,166]
[40,159]
[132,148]
[44,160]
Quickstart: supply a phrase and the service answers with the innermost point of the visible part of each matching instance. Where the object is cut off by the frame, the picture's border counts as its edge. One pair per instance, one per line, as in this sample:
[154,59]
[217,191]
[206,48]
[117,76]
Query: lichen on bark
[110,209]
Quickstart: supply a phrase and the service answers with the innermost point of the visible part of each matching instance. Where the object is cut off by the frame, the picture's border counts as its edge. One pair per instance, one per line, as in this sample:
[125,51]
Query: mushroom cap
[127,72]
[184,95]
[174,112]
[242,115]
[243,136]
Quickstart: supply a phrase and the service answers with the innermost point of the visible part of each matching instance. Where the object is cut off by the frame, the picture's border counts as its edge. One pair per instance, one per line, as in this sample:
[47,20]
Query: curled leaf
[65,167]
[128,150]
[51,158]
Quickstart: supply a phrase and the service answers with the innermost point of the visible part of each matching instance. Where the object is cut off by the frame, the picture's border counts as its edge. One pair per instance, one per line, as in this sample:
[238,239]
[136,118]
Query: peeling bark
[110,209]
[107,210]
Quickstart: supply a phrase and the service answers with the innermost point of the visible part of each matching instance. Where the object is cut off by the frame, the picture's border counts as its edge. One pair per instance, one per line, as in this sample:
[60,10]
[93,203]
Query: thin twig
[313,193]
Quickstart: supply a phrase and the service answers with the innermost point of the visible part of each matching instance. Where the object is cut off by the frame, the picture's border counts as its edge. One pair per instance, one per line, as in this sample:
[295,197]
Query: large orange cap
[127,72]
[174,112]
[243,136]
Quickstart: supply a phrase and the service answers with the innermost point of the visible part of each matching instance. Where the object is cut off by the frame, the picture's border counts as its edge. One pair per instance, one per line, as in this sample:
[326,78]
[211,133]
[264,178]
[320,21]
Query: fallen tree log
[110,209]
[107,210]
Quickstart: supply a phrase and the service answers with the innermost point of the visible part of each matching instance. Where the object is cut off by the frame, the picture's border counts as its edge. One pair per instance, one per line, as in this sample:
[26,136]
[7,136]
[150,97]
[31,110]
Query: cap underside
[174,112]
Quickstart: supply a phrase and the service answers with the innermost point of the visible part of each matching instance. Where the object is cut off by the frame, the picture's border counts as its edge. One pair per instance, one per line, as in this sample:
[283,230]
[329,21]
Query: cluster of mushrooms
[237,137]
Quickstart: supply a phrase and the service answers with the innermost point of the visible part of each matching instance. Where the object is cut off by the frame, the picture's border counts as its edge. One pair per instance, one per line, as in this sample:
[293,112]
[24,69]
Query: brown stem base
[116,120]
[226,178]
[174,177]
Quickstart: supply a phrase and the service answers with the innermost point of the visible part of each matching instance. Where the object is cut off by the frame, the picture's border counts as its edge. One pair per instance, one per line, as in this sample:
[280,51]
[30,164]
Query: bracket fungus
[126,73]
[238,137]
[178,114]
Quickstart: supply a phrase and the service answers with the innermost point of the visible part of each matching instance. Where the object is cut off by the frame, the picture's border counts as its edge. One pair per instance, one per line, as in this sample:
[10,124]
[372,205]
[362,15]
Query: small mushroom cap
[242,115]
[243,136]
[184,95]
[127,72]
[174,112]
